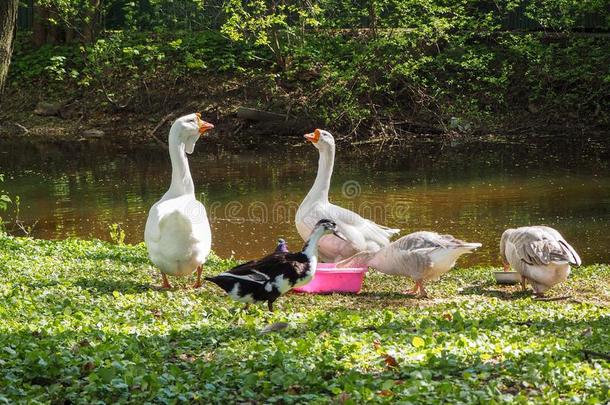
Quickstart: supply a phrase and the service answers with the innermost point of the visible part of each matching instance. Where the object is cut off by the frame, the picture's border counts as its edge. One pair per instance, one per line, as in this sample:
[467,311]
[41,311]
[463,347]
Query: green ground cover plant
[83,323]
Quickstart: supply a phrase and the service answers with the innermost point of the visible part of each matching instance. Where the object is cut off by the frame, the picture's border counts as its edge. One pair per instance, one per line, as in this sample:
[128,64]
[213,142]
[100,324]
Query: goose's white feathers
[540,254]
[361,233]
[177,233]
[420,255]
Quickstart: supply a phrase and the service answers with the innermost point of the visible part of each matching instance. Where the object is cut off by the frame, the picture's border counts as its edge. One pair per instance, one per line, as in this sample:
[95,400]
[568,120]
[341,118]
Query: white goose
[177,233]
[421,255]
[361,233]
[540,254]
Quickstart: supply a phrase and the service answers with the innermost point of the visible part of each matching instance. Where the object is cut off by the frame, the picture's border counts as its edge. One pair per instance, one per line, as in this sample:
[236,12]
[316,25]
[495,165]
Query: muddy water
[473,191]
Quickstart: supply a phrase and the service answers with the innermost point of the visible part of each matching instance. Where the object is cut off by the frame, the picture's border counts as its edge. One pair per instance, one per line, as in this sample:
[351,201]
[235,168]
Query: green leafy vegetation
[117,233]
[5,200]
[394,66]
[83,323]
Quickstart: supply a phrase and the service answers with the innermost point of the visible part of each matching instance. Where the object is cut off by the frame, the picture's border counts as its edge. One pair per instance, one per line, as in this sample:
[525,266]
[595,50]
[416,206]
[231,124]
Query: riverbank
[129,131]
[83,322]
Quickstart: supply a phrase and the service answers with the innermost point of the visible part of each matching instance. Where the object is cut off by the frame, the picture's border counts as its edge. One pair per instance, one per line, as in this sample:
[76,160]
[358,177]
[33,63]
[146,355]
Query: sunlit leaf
[417,341]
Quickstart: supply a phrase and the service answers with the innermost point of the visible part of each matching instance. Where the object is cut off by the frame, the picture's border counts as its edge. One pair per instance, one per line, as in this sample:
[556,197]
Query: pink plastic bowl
[329,279]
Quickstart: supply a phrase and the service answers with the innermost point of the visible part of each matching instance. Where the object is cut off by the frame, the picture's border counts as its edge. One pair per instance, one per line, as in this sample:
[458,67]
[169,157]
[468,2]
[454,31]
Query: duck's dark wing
[228,282]
[269,267]
[248,265]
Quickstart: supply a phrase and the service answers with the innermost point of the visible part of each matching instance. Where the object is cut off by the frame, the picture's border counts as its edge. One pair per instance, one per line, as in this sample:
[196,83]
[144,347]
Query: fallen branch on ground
[152,135]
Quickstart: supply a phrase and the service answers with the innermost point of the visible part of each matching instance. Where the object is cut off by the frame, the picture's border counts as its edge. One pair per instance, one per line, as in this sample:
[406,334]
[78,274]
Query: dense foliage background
[391,65]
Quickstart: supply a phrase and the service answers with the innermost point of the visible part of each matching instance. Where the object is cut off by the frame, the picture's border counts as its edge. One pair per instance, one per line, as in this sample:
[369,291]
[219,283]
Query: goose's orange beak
[314,137]
[203,125]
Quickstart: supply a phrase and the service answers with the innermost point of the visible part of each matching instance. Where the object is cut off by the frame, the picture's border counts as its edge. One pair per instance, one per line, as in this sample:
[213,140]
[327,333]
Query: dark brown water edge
[565,146]
[235,136]
[473,189]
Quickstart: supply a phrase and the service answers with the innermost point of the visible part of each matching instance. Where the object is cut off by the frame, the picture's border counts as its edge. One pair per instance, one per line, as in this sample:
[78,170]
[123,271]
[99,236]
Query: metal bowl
[507,277]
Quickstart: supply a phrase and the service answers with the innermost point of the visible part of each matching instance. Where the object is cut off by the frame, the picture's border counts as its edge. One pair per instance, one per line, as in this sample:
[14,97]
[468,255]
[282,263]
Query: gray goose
[423,256]
[539,254]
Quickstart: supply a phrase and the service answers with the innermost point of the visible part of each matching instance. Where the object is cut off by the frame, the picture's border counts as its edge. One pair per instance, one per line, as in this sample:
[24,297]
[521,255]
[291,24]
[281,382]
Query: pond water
[473,191]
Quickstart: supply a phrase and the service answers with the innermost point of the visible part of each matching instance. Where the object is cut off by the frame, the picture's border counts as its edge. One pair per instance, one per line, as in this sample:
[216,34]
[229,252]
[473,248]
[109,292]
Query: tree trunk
[8,19]
[39,25]
[92,15]
[54,31]
[43,30]
[70,35]
[373,18]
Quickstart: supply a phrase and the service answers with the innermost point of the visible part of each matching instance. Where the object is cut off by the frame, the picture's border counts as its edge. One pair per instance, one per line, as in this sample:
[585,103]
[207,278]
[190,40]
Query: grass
[82,323]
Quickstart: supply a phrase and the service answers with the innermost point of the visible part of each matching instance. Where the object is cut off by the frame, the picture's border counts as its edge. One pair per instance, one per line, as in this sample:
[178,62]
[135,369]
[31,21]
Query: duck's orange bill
[203,125]
[314,137]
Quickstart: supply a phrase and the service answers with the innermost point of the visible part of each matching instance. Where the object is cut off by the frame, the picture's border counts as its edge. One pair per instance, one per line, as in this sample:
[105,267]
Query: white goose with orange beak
[177,233]
[361,233]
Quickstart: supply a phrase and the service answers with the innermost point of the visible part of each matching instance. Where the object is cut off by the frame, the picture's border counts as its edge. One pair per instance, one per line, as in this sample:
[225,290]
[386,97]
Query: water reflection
[473,191]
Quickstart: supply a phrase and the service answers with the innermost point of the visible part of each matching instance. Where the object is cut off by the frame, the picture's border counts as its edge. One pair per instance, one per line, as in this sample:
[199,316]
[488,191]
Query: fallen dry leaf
[385,393]
[343,398]
[390,361]
[187,357]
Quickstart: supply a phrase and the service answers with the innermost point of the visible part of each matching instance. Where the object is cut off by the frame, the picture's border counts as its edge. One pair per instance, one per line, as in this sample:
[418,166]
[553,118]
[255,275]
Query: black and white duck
[274,275]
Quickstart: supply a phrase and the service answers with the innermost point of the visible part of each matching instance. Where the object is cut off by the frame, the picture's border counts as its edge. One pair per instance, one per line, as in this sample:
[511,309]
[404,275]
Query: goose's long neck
[319,191]
[311,246]
[182,182]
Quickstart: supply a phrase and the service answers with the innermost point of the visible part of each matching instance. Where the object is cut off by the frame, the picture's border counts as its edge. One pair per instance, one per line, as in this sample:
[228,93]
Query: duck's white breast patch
[313,264]
[304,280]
[234,293]
[282,284]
